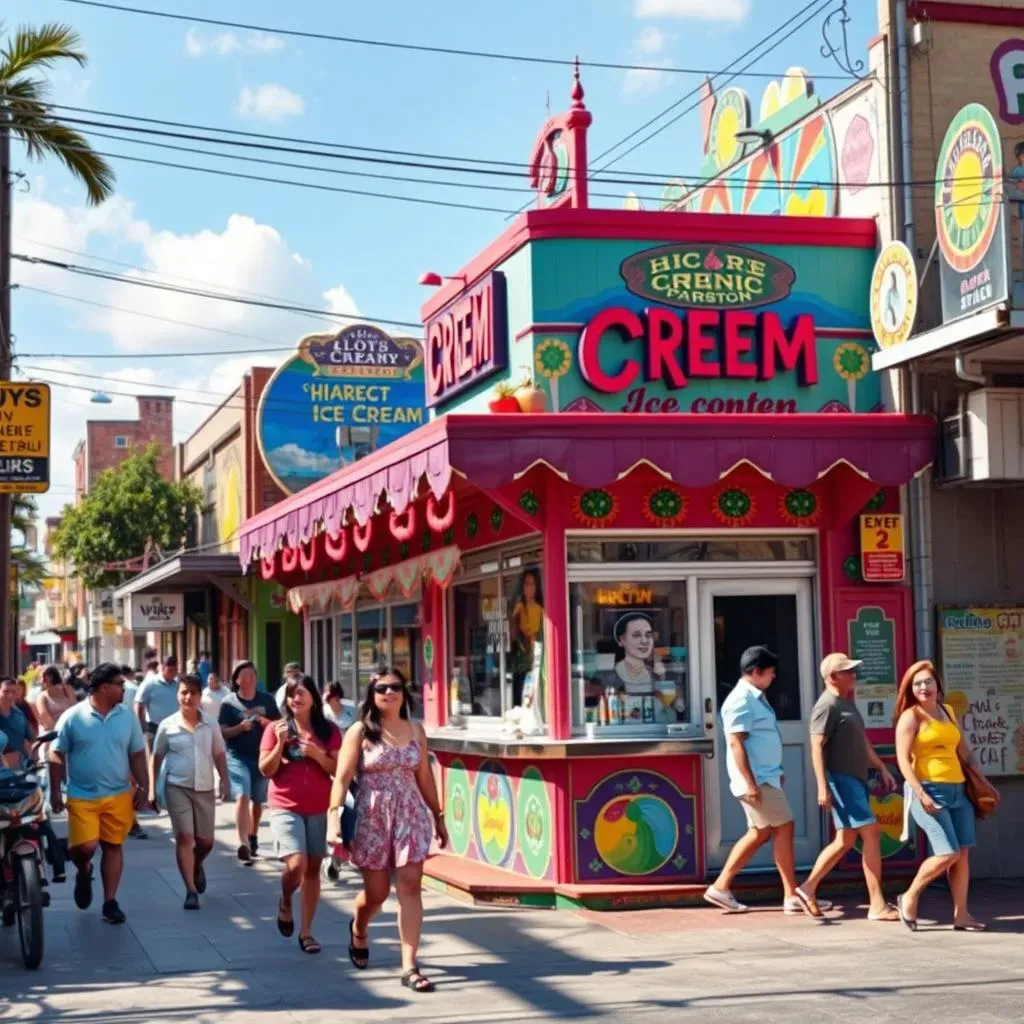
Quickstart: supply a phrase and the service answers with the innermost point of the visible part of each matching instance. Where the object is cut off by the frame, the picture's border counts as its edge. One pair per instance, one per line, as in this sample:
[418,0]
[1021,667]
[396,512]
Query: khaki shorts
[191,812]
[771,812]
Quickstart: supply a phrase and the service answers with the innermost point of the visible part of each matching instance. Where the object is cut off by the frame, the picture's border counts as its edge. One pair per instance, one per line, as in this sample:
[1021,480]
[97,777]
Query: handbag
[982,794]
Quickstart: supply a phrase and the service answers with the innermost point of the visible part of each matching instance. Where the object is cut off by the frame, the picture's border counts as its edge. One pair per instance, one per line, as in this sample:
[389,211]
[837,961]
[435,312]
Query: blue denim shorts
[246,780]
[851,801]
[952,828]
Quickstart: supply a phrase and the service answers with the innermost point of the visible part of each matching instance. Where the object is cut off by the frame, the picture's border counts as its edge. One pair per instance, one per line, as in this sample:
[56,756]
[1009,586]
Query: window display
[479,640]
[630,654]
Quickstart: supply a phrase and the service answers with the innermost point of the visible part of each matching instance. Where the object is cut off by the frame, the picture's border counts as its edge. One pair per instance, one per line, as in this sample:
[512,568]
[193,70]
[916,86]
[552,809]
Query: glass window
[524,612]
[328,667]
[630,656]
[371,641]
[690,549]
[480,631]
[345,658]
[405,648]
[317,668]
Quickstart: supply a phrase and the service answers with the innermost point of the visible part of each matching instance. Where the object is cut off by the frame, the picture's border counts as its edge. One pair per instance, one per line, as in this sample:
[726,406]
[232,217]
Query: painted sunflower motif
[497,519]
[851,569]
[798,508]
[664,506]
[596,508]
[553,358]
[734,507]
[472,525]
[529,502]
[877,502]
[851,361]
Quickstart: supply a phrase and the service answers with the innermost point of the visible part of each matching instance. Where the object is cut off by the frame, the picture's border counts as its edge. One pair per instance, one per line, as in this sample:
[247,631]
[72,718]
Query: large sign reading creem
[467,340]
[339,398]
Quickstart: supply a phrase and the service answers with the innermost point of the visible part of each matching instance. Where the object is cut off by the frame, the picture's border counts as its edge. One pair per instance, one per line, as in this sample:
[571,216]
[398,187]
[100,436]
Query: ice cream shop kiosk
[652,437]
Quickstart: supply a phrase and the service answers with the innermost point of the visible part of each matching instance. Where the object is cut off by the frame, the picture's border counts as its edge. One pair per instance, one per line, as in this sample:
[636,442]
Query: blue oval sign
[339,398]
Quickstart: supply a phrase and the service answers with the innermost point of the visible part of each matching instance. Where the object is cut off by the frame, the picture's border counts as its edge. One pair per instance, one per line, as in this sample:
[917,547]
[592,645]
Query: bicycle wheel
[30,911]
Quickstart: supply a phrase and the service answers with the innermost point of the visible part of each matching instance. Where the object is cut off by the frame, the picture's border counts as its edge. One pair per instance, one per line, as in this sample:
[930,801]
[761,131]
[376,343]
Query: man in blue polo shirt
[754,761]
[100,743]
[157,698]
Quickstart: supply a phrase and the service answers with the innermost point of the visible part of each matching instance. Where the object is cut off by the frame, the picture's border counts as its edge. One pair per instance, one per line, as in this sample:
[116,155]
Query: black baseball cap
[757,659]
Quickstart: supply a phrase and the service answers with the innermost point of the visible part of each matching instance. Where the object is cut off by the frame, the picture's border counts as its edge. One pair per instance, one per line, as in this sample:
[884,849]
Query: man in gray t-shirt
[842,756]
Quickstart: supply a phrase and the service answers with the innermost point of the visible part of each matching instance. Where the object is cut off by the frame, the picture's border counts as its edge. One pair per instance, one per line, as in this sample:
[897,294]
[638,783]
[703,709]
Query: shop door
[735,615]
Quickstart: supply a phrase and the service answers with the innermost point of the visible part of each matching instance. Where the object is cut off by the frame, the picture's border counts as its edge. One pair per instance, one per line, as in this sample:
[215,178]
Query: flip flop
[972,926]
[284,926]
[809,903]
[889,914]
[910,922]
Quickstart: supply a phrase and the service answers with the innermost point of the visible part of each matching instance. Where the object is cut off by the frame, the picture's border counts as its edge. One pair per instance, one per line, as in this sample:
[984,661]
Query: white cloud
[226,43]
[650,41]
[269,102]
[294,458]
[339,300]
[699,10]
[648,48]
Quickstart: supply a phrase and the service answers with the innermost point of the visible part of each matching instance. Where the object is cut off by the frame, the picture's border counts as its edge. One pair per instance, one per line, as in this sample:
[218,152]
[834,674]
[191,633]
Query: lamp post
[7,653]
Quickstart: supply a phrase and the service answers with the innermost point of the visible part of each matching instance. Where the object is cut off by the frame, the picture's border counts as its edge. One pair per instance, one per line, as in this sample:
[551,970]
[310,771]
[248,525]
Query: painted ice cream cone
[553,359]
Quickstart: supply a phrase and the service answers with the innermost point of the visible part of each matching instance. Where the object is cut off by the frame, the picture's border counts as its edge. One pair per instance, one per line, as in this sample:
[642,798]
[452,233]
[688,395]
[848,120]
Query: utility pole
[7,627]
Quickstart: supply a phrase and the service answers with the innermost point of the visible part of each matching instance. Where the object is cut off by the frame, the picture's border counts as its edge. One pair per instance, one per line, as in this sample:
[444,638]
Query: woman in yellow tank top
[527,626]
[929,746]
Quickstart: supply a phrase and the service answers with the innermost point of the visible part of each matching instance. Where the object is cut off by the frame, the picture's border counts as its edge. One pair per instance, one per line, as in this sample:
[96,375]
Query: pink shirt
[301,786]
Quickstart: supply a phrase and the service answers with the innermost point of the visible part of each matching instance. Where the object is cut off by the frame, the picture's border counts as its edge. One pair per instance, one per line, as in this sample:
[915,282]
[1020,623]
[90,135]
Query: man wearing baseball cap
[842,757]
[754,761]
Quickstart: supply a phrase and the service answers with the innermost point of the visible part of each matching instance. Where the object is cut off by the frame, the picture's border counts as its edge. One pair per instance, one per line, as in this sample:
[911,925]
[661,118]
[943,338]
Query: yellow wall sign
[881,548]
[24,437]
[893,295]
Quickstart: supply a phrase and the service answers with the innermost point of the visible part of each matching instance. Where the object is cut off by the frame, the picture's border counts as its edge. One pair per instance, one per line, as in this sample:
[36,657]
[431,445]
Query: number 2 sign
[881,548]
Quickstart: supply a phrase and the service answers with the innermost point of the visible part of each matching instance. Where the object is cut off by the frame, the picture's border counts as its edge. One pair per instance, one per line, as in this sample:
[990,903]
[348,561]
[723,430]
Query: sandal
[416,981]
[889,914]
[286,926]
[970,926]
[309,945]
[357,953]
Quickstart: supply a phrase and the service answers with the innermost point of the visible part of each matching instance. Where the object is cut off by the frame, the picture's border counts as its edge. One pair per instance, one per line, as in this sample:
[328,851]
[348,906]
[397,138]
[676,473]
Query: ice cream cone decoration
[553,359]
[852,363]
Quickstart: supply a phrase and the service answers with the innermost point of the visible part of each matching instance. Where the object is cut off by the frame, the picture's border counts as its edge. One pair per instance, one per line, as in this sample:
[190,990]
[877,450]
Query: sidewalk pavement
[227,963]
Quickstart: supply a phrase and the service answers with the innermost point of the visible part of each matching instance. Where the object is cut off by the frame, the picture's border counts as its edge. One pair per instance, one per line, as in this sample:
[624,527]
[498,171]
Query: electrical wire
[448,51]
[203,294]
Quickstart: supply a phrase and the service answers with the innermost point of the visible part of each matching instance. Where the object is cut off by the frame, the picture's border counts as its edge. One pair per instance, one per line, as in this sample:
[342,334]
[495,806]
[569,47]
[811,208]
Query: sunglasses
[383,688]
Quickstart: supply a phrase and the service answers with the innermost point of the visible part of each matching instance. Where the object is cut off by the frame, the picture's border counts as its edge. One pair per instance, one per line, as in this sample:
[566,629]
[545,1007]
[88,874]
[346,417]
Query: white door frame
[808,838]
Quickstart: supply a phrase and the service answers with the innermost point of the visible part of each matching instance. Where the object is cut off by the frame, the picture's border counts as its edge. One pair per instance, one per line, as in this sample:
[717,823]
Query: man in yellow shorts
[101,743]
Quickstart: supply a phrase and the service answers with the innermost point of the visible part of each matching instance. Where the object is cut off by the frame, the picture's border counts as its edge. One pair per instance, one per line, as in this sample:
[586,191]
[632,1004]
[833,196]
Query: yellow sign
[109,625]
[24,437]
[893,295]
[626,595]
[881,548]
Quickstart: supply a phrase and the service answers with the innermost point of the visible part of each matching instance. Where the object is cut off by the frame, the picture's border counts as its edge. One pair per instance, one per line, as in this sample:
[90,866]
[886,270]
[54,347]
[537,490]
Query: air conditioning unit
[984,441]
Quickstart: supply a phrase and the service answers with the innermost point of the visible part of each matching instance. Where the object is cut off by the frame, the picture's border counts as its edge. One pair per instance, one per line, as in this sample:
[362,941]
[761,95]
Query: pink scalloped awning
[595,449]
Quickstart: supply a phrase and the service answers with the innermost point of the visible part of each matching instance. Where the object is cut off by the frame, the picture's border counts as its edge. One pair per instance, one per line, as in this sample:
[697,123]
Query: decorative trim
[568,327]
[665,506]
[965,14]
[597,508]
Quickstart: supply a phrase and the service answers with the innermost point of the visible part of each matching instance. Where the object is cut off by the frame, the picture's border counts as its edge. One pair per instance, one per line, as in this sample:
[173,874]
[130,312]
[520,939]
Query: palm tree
[22,98]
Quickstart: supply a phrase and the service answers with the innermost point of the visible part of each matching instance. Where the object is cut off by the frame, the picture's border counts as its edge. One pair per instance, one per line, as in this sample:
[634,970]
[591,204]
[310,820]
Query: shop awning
[594,449]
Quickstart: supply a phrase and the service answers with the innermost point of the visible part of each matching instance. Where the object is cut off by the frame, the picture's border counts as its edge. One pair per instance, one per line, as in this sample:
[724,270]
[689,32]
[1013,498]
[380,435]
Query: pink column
[556,619]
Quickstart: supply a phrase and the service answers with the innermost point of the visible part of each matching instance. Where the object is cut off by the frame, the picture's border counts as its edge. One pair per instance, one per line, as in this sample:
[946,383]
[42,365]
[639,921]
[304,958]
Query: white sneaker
[724,901]
[793,906]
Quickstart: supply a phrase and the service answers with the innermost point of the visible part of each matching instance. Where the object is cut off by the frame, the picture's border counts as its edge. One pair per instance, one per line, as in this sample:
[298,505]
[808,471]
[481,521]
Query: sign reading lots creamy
[711,276]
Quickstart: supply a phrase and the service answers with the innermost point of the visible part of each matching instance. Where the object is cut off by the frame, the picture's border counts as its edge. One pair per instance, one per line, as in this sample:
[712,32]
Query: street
[227,962]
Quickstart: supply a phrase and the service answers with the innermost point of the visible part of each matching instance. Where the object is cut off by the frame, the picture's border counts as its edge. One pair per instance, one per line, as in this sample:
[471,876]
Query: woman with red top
[299,755]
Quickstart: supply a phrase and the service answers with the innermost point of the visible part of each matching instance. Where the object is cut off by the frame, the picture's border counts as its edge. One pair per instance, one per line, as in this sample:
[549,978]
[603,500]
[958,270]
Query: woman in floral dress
[398,812]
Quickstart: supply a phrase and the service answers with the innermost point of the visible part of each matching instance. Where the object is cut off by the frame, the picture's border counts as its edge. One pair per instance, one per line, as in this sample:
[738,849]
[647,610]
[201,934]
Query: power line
[199,293]
[448,51]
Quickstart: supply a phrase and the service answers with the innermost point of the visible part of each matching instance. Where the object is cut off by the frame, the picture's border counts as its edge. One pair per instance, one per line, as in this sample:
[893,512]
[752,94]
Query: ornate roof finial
[577,87]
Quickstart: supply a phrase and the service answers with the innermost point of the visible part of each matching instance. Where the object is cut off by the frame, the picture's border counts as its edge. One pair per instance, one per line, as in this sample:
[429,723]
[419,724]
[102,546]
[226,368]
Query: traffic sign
[881,548]
[24,437]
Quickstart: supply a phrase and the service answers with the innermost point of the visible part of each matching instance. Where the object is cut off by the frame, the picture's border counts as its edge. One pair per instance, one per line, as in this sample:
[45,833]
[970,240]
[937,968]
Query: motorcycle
[22,875]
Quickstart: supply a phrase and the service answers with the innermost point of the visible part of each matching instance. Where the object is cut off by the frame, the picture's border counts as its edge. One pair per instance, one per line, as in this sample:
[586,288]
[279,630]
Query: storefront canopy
[184,572]
[592,450]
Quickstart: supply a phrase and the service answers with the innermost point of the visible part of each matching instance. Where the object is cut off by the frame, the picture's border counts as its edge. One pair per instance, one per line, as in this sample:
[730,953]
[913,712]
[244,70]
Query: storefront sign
[708,276]
[969,216]
[871,639]
[737,345]
[339,398]
[24,437]
[145,612]
[982,652]
[467,341]
[881,548]
[893,295]
[1005,66]
[624,596]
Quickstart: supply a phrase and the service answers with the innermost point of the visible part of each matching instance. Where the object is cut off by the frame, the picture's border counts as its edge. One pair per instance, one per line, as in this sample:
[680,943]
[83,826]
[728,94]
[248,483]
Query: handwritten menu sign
[982,651]
[872,640]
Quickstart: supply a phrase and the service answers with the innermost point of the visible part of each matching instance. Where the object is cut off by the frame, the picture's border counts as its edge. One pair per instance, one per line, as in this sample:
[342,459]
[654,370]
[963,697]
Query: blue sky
[318,249]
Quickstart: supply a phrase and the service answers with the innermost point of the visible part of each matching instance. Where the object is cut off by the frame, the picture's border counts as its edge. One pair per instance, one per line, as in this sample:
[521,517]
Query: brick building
[108,443]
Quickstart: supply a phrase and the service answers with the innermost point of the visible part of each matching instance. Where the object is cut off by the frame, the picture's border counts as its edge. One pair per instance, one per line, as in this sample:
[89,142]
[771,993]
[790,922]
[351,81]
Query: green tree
[129,506]
[23,96]
[31,568]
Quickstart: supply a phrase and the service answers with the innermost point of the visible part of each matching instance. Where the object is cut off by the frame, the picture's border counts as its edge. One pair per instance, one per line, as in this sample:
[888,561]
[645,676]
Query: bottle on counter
[603,718]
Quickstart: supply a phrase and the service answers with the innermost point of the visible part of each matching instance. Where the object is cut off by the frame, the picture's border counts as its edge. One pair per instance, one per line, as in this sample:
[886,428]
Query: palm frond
[41,47]
[42,135]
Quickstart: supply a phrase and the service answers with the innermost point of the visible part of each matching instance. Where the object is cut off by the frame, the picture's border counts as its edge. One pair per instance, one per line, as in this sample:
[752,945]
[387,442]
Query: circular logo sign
[533,814]
[732,115]
[893,295]
[636,834]
[458,809]
[968,187]
[494,814]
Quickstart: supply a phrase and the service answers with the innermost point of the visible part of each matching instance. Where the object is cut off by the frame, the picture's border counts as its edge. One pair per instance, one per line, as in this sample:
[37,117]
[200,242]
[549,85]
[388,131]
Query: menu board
[872,640]
[982,652]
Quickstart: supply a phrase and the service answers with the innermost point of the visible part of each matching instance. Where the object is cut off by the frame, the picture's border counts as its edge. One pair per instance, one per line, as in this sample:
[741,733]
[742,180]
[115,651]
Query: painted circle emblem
[494,814]
[457,807]
[731,115]
[428,652]
[893,295]
[533,816]
[636,835]
[968,187]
